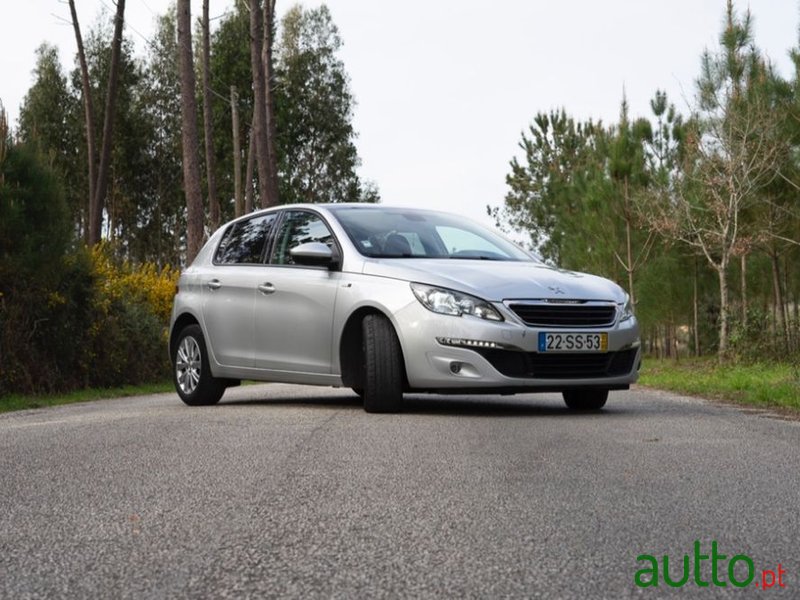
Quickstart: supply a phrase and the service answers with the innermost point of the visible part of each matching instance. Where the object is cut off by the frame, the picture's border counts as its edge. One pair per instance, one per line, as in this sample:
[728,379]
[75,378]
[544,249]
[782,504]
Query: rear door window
[243,242]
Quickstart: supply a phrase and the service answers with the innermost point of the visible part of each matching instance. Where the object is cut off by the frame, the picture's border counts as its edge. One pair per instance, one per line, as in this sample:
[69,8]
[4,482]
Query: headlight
[627,309]
[448,302]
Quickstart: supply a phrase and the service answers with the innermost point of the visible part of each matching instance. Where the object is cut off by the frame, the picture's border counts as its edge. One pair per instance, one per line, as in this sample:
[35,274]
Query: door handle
[266,288]
[214,284]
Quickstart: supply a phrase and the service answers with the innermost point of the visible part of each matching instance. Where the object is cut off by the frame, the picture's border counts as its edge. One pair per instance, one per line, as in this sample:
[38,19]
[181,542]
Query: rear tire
[383,366]
[190,371]
[585,400]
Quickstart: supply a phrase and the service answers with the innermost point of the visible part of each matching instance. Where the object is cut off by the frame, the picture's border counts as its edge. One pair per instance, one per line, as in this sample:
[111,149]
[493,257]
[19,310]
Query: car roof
[332,207]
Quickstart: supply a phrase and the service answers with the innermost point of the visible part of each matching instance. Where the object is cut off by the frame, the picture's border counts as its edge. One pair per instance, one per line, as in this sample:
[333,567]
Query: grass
[23,402]
[765,384]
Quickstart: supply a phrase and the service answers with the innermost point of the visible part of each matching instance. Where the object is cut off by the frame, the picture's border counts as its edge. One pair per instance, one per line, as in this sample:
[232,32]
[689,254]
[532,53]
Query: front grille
[560,366]
[565,315]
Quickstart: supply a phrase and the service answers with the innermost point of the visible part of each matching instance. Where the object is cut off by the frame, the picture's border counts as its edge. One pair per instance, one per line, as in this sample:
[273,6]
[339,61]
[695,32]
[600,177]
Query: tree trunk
[629,267]
[88,110]
[722,273]
[101,188]
[787,312]
[238,202]
[208,126]
[191,164]
[795,323]
[4,139]
[695,310]
[780,315]
[744,289]
[259,102]
[269,81]
[248,174]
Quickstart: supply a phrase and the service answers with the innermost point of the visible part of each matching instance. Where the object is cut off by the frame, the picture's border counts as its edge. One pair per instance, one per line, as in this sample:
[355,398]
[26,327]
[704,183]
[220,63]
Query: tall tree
[237,154]
[88,112]
[548,188]
[161,98]
[260,128]
[5,140]
[312,103]
[127,187]
[208,125]
[230,63]
[318,158]
[731,155]
[101,187]
[777,217]
[191,166]
[629,176]
[50,120]
[269,92]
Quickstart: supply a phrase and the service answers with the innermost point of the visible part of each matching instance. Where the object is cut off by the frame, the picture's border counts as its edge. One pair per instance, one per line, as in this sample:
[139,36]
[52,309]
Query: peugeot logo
[555,289]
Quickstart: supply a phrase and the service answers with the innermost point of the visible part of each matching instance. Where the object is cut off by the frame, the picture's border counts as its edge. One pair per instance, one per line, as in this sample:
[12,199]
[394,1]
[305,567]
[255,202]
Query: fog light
[455,367]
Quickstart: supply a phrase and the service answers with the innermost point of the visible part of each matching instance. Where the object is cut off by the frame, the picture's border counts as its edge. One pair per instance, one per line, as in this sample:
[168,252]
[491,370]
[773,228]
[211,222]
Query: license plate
[573,342]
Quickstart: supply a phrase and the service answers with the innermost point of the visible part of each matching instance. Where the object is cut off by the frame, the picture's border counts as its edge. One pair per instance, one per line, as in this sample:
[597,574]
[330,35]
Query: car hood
[499,280]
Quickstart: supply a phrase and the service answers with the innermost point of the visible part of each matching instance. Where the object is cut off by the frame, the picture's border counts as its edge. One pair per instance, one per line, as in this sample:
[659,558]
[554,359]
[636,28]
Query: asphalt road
[290,491]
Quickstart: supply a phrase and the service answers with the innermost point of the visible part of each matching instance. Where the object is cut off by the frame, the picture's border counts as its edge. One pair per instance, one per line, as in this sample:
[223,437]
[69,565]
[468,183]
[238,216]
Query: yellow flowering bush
[145,283]
[131,305]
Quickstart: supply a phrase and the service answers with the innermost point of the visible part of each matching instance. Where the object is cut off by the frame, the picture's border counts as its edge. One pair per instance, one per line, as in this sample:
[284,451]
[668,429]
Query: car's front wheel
[191,373]
[585,400]
[383,366]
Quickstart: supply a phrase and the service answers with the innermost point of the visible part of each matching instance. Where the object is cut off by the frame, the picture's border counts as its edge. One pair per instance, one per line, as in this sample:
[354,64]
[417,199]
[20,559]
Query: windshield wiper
[479,257]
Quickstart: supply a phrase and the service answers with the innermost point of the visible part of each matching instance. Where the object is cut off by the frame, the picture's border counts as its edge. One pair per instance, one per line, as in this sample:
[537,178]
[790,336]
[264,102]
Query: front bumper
[504,357]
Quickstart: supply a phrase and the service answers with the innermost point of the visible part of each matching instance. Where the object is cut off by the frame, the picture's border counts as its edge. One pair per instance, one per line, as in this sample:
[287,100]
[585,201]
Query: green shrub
[757,340]
[70,318]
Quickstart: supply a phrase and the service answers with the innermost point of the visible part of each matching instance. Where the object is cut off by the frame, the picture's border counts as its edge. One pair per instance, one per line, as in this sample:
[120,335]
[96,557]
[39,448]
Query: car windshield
[380,232]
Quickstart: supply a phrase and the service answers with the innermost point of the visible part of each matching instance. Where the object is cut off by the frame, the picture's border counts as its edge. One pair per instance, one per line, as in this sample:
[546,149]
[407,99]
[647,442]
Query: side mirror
[314,254]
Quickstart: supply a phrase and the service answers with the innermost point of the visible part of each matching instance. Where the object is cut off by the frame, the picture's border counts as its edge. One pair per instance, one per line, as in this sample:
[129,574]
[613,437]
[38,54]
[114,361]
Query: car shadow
[493,406]
[449,405]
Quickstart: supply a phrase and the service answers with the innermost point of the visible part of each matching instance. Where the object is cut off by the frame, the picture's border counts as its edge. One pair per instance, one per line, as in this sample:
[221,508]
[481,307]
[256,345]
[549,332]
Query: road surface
[291,491]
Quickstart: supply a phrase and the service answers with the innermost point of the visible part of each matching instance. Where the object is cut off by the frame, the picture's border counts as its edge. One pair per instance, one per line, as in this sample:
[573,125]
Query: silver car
[393,300]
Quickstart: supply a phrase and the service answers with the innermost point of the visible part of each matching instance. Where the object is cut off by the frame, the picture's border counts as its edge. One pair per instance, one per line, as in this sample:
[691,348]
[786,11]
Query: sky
[445,88]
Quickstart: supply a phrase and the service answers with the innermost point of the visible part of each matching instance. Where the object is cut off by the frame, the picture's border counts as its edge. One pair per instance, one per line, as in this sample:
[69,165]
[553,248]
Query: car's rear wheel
[191,373]
[585,400]
[383,366]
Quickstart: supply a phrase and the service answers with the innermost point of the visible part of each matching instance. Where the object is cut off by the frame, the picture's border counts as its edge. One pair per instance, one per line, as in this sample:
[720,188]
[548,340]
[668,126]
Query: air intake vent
[560,366]
[545,314]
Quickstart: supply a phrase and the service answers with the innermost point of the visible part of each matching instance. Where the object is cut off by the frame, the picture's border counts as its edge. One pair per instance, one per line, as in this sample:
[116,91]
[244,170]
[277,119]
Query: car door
[295,303]
[229,290]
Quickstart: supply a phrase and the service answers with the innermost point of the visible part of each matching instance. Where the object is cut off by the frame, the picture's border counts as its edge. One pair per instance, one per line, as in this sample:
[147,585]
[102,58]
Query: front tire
[383,366]
[585,400]
[190,371]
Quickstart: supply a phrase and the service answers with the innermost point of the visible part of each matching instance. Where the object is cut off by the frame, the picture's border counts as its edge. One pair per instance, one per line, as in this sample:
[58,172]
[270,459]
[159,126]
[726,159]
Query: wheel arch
[351,351]
[180,324]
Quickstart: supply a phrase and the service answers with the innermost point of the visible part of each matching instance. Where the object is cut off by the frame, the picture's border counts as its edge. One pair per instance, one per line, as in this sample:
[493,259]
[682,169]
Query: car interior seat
[396,244]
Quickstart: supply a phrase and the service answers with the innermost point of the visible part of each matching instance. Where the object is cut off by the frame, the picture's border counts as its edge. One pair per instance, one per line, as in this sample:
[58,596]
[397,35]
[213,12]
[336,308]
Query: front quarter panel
[357,292]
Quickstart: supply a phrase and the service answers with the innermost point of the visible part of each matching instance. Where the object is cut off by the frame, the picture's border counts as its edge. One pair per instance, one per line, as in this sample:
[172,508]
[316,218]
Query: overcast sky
[445,87]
